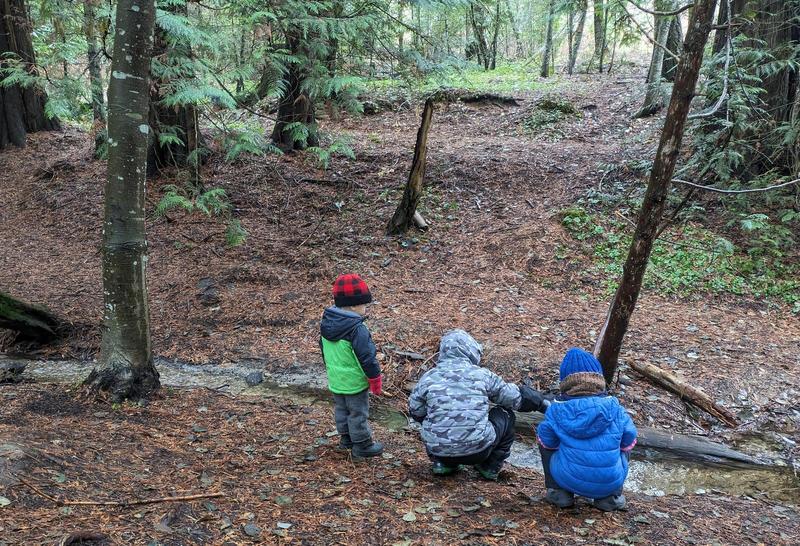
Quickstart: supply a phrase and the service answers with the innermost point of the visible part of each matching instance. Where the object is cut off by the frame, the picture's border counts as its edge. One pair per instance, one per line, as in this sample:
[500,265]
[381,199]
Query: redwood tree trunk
[126,367]
[296,105]
[21,108]
[609,342]
[181,120]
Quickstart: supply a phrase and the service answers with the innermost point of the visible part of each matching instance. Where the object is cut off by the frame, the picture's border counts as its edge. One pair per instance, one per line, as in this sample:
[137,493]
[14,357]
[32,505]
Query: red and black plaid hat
[350,290]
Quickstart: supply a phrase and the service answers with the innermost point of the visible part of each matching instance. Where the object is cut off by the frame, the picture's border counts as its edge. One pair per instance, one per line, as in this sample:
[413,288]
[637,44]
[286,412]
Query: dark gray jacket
[452,399]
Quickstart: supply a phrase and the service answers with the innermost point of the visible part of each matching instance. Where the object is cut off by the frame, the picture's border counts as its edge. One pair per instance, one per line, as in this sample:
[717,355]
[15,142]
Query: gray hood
[457,345]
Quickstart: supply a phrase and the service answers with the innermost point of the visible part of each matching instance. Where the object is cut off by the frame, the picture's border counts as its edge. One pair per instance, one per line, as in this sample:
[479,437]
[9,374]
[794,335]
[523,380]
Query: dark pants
[493,457]
[549,481]
[350,412]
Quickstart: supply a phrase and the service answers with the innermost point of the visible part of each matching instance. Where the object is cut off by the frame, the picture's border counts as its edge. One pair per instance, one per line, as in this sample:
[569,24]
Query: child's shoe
[367,448]
[487,473]
[345,443]
[611,503]
[441,469]
[560,498]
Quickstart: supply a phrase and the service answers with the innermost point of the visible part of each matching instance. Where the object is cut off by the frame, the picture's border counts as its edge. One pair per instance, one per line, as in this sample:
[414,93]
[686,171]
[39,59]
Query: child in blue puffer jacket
[585,438]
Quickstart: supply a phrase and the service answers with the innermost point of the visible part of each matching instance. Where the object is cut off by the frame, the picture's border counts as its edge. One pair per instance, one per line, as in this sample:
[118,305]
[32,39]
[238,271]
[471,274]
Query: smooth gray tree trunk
[125,368]
[654,95]
[548,40]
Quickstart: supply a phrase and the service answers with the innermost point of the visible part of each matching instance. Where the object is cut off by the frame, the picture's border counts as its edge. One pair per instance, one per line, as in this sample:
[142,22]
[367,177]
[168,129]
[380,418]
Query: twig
[673,12]
[750,190]
[117,503]
[649,39]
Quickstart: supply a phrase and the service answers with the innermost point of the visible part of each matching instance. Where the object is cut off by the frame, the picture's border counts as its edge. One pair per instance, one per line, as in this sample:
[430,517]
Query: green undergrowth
[550,110]
[686,260]
[505,79]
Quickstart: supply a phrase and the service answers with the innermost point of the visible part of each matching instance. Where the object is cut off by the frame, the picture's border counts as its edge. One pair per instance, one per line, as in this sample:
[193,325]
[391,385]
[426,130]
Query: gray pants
[350,412]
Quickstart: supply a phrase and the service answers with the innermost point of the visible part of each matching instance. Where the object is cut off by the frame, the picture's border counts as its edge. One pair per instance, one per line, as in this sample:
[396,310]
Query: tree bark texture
[95,75]
[609,342]
[126,367]
[548,41]
[21,108]
[33,322]
[577,36]
[296,105]
[403,217]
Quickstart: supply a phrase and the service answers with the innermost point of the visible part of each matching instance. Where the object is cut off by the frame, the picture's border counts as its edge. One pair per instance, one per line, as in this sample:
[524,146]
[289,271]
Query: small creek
[651,472]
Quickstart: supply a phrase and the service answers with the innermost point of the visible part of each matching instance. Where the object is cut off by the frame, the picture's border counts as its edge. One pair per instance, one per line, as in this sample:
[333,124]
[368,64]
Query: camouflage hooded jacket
[452,399]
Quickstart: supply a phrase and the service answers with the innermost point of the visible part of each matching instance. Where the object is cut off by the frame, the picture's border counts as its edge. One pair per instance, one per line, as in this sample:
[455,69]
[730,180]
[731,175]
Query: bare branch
[749,190]
[649,38]
[667,13]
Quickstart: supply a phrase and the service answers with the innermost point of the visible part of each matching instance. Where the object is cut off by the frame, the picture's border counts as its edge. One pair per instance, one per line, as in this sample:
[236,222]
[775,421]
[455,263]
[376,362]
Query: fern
[235,234]
[173,200]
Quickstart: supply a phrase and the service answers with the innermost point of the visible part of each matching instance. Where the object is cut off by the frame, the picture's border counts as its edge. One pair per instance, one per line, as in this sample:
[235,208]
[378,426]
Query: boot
[367,448]
[345,443]
[440,469]
[611,503]
[489,474]
[560,498]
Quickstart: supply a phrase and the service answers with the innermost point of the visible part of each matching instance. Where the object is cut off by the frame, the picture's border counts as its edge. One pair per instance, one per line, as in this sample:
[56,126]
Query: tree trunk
[296,105]
[654,95]
[577,37]
[609,342]
[720,33]
[126,367]
[95,76]
[22,109]
[403,217]
[675,45]
[175,140]
[599,32]
[33,322]
[548,40]
[478,21]
[493,62]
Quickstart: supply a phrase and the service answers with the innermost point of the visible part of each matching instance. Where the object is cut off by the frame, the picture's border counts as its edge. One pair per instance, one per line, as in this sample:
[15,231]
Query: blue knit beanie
[579,361]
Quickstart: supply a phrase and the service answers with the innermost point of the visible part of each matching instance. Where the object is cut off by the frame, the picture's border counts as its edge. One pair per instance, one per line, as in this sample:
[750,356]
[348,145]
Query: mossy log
[33,322]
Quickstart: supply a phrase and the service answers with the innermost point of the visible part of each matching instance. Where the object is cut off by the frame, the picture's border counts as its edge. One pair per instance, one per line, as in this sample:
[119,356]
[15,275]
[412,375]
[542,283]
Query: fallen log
[693,395]
[31,321]
[683,446]
[450,94]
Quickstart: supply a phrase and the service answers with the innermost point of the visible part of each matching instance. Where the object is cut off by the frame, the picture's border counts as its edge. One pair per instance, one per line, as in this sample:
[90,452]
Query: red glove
[375,384]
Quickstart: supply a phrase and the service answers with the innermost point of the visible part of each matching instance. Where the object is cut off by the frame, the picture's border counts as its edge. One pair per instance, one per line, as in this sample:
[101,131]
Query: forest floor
[497,261]
[281,480]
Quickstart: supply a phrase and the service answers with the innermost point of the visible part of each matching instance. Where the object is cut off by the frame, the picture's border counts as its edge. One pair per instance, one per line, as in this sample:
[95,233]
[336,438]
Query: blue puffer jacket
[590,434]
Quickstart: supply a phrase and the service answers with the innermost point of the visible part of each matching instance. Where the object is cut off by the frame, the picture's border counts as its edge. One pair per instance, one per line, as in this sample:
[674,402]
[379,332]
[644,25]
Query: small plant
[213,202]
[551,110]
[341,146]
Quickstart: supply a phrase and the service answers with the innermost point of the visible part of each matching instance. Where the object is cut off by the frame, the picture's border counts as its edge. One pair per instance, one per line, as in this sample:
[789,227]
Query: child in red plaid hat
[353,370]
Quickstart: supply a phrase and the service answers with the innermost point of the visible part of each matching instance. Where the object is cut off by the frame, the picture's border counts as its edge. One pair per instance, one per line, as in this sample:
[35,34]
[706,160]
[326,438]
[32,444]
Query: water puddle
[651,472]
